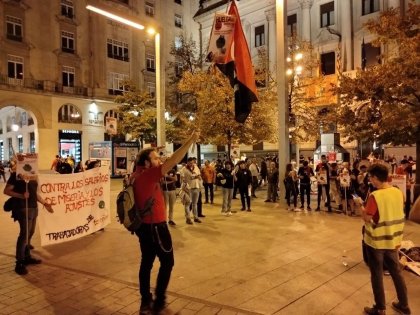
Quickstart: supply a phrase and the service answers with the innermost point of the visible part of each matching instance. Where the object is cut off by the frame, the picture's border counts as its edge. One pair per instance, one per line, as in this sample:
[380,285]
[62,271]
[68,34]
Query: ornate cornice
[305,4]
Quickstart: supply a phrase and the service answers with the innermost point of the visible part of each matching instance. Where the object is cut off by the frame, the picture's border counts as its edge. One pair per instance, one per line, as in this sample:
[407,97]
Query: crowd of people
[68,165]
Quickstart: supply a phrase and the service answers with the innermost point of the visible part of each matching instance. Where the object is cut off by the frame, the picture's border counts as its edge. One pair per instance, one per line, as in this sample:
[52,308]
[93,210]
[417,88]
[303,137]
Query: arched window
[111,113]
[69,113]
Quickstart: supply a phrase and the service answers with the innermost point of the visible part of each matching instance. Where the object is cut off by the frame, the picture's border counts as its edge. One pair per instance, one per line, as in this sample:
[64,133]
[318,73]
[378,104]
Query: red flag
[240,71]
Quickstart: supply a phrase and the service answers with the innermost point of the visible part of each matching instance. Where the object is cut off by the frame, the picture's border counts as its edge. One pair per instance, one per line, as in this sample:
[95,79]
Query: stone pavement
[268,261]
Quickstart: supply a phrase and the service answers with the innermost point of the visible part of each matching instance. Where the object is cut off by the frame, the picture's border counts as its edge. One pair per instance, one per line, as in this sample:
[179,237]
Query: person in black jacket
[225,177]
[244,180]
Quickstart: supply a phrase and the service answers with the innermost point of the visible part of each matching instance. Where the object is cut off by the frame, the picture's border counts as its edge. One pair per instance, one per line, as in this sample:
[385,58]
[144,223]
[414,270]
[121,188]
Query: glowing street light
[127,20]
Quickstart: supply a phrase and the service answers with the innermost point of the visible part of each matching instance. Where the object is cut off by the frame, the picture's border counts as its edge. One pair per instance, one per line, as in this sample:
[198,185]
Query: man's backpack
[128,213]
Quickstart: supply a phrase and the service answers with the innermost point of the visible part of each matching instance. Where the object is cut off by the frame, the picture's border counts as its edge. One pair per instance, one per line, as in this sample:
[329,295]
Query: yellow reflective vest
[388,232]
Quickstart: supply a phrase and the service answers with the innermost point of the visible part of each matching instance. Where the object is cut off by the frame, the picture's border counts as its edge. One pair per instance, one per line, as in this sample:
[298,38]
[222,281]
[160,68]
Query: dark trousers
[155,240]
[305,189]
[407,205]
[235,189]
[254,185]
[291,191]
[22,248]
[207,188]
[376,260]
[327,192]
[243,191]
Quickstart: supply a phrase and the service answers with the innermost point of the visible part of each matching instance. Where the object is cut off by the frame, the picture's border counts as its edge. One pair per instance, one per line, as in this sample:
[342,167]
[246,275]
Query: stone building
[61,67]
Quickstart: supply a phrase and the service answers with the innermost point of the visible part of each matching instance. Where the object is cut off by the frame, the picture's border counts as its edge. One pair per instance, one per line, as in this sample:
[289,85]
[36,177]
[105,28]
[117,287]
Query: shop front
[70,143]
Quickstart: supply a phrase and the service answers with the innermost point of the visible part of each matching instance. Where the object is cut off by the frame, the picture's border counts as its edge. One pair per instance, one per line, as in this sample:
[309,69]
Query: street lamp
[120,17]
[283,139]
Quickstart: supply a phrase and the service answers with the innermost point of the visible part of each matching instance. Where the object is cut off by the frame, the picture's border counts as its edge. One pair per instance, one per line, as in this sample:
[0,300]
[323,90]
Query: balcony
[41,86]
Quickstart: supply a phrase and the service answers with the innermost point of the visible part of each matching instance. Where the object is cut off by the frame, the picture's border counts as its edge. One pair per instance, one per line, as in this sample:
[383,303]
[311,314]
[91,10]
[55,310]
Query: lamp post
[283,132]
[130,21]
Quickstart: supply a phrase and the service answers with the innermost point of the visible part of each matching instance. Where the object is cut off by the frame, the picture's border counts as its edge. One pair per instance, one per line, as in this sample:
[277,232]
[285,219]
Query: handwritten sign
[345,180]
[81,203]
[221,38]
[27,165]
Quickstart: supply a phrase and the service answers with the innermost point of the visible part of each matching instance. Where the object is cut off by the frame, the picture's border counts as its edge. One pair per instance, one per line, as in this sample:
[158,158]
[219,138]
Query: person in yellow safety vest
[384,224]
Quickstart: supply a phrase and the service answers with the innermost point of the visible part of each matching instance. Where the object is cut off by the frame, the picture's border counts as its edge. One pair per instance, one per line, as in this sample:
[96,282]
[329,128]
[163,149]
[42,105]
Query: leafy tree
[382,103]
[137,114]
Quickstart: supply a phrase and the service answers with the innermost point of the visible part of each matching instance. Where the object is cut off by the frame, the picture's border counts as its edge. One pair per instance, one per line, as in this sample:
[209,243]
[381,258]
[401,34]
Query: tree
[137,114]
[382,103]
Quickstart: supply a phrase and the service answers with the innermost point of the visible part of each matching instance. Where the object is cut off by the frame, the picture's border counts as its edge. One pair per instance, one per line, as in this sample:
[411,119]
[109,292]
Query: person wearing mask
[25,212]
[169,193]
[190,175]
[226,180]
[305,173]
[244,181]
[208,175]
[154,236]
[384,220]
[323,175]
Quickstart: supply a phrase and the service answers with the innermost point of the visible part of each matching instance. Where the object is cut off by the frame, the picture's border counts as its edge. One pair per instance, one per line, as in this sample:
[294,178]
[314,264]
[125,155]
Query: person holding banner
[25,212]
[154,236]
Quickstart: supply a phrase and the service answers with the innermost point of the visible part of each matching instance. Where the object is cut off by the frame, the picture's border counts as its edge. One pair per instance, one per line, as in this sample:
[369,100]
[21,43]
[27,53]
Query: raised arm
[179,154]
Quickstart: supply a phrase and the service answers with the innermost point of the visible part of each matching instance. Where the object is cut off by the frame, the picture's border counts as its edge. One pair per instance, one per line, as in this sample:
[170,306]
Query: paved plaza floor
[268,261]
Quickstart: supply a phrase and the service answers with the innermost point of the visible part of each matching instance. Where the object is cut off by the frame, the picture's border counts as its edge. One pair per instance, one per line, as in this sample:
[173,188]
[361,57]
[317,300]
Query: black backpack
[128,213]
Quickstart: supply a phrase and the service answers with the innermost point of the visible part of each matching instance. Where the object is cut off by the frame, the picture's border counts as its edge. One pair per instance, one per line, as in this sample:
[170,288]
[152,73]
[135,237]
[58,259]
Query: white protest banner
[81,204]
[27,165]
[398,181]
[221,38]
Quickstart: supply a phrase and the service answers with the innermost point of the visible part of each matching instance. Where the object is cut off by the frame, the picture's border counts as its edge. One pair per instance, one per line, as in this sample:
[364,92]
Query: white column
[306,19]
[160,102]
[346,28]
[271,14]
[283,141]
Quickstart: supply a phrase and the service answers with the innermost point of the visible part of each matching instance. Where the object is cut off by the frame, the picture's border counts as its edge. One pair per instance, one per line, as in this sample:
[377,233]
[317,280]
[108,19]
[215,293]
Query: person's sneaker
[171,222]
[318,209]
[197,220]
[229,213]
[302,207]
[249,210]
[297,209]
[233,211]
[20,269]
[189,221]
[201,216]
[373,311]
[32,261]
[387,273]
[242,209]
[402,310]
[309,208]
[267,200]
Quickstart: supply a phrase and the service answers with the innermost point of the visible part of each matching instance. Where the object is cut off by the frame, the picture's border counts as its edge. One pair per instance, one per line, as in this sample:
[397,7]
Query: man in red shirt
[154,237]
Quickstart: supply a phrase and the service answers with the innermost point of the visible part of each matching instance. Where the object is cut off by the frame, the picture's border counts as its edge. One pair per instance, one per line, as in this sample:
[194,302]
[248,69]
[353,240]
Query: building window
[327,14]
[69,113]
[370,6]
[15,67]
[150,63]
[10,147]
[116,83]
[14,28]
[32,142]
[371,55]
[117,50]
[178,42]
[68,76]
[178,1]
[150,9]
[151,88]
[259,36]
[291,25]
[178,20]
[178,69]
[24,118]
[20,143]
[328,63]
[67,8]
[67,42]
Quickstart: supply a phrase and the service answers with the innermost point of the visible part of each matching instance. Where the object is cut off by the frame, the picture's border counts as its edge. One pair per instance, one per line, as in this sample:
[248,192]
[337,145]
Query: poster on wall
[111,125]
[100,150]
[120,161]
[81,204]
[124,157]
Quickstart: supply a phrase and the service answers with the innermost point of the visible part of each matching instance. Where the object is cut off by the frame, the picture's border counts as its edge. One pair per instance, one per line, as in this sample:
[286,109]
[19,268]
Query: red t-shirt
[147,185]
[372,208]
